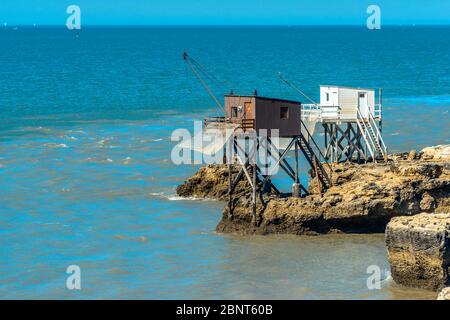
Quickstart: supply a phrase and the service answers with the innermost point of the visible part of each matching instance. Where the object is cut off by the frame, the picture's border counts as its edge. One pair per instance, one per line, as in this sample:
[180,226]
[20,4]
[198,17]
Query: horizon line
[2,25]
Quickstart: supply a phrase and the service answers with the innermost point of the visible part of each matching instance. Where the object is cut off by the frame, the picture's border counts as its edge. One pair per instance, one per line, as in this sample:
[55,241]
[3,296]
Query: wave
[55,145]
[127,160]
[98,160]
[106,142]
[70,138]
[174,197]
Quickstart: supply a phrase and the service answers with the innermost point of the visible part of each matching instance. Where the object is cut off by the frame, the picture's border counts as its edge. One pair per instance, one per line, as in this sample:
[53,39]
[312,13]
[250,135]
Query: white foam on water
[174,197]
[127,160]
[156,193]
[107,142]
[98,160]
[178,198]
[55,145]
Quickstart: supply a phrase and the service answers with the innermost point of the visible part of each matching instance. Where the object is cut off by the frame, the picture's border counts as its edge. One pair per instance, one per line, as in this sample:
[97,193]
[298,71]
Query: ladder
[306,144]
[372,136]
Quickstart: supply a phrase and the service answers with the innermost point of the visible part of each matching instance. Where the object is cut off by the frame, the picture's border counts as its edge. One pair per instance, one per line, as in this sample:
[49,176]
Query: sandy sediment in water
[363,198]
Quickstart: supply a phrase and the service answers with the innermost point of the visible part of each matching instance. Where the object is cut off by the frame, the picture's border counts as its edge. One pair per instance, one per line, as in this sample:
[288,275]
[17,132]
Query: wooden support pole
[380,97]
[319,185]
[230,191]
[297,180]
[254,195]
[335,143]
[296,191]
[349,143]
[332,143]
[325,128]
[358,143]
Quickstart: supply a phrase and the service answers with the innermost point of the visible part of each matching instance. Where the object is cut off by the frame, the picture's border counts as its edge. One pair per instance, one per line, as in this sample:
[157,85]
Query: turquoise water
[85,169]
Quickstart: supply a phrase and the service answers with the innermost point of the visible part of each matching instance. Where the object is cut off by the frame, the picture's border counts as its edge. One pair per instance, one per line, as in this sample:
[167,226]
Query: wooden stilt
[230,199]
[319,185]
[254,196]
[296,190]
[297,180]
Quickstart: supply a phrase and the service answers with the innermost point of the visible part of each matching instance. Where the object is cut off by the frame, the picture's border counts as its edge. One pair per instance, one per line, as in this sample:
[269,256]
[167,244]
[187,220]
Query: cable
[188,60]
[295,88]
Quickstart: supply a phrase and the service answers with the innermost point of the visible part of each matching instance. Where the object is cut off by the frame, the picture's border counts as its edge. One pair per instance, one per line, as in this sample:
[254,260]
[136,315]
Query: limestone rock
[444,294]
[419,250]
[428,202]
[412,155]
[437,152]
[211,182]
[363,198]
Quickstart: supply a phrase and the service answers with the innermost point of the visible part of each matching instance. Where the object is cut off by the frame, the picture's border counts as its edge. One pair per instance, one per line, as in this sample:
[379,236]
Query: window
[284,113]
[328,97]
[234,112]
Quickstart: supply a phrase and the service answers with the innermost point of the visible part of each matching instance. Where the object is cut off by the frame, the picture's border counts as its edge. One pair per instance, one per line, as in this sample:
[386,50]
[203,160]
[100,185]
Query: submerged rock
[363,198]
[419,250]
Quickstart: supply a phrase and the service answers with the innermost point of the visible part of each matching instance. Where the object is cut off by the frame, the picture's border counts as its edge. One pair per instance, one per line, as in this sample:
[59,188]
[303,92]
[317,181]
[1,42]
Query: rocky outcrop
[441,152]
[211,182]
[444,294]
[419,250]
[363,198]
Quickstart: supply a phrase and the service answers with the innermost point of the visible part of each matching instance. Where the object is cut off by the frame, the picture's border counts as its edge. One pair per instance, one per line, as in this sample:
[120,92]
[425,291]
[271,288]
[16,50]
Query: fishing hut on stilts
[352,123]
[258,134]
[270,129]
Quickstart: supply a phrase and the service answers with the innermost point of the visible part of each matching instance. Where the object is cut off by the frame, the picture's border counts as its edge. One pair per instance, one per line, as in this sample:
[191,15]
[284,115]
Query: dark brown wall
[266,113]
[268,116]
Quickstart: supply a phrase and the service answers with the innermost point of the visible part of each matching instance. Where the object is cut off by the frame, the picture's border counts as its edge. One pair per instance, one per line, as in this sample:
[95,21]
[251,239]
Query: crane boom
[188,61]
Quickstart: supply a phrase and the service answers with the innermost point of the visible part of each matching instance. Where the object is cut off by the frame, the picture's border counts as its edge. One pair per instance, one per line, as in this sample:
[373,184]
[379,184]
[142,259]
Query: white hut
[343,103]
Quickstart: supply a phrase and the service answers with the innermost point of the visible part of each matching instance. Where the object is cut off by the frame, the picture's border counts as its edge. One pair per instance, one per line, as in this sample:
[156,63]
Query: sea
[87,177]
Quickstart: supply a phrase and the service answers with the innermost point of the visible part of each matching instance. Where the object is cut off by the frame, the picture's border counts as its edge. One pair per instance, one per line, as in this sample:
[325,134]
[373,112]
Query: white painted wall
[329,96]
[348,101]
[329,102]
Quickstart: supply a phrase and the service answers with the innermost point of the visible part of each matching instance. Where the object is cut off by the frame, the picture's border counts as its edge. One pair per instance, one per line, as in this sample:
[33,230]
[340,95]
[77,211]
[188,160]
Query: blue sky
[224,12]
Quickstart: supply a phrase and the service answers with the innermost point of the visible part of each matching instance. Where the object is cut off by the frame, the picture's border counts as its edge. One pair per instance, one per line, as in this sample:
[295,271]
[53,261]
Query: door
[363,105]
[248,110]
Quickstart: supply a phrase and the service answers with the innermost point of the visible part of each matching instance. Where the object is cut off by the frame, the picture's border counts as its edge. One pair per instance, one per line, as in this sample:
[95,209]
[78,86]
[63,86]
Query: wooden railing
[210,120]
[244,124]
[247,124]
